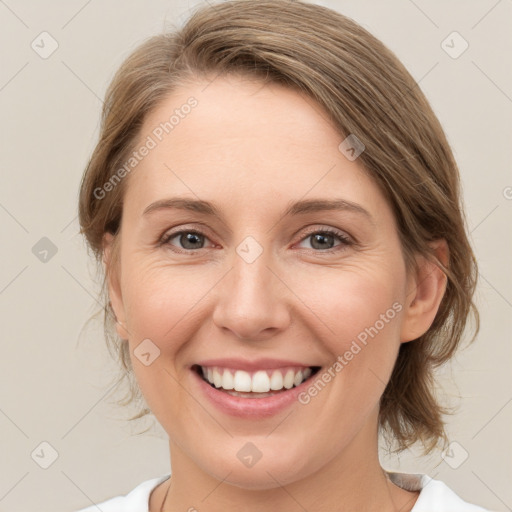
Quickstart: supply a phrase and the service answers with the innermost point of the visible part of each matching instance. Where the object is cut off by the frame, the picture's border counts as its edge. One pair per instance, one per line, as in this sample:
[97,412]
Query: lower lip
[253,408]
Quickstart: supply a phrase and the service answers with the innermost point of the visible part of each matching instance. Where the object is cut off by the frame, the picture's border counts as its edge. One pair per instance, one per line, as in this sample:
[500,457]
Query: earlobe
[425,292]
[112,272]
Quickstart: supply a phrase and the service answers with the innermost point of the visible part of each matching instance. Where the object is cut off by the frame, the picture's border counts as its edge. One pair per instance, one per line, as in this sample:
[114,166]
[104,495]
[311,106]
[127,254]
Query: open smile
[255,384]
[256,393]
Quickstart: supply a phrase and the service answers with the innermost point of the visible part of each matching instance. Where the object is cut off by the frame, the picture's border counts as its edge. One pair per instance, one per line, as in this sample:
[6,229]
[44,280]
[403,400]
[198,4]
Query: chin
[262,480]
[266,473]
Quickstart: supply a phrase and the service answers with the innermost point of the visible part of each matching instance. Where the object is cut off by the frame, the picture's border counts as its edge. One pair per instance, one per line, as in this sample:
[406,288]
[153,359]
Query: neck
[351,480]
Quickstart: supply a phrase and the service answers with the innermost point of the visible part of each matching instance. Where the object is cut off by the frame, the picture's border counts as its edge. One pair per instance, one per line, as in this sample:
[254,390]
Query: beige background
[54,390]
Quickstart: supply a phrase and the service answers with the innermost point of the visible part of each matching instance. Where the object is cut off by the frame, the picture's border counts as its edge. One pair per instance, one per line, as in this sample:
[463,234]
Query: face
[293,263]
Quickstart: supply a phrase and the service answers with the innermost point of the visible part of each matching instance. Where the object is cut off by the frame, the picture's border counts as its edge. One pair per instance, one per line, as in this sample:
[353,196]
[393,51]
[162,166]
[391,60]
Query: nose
[251,301]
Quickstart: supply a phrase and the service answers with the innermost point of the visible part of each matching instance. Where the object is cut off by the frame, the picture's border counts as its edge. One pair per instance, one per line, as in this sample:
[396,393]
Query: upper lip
[252,365]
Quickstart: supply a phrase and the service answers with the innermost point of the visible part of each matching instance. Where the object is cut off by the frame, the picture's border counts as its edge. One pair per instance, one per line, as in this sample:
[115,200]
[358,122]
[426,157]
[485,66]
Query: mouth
[262,383]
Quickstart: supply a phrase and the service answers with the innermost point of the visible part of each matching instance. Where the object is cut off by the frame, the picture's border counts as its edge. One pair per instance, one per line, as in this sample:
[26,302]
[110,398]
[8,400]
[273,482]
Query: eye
[323,239]
[187,239]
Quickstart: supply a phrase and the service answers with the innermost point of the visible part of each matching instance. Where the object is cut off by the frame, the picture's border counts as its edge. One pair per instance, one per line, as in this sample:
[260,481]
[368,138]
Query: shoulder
[434,494]
[137,500]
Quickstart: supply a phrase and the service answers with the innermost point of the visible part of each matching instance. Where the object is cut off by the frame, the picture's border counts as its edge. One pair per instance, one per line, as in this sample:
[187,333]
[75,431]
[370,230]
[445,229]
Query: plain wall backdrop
[57,60]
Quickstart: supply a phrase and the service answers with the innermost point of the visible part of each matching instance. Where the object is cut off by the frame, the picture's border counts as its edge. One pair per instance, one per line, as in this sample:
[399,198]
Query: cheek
[160,305]
[349,301]
[159,300]
[359,311]
[167,306]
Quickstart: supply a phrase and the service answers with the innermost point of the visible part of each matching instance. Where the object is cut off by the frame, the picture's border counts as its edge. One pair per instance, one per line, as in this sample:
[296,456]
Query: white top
[435,496]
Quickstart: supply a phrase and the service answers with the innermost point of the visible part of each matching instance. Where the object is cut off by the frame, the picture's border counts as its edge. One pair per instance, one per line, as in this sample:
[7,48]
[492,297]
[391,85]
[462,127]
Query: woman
[278,213]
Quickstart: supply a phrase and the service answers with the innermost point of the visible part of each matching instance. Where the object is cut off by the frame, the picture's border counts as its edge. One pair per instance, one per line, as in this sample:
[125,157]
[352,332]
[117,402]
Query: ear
[425,290]
[114,288]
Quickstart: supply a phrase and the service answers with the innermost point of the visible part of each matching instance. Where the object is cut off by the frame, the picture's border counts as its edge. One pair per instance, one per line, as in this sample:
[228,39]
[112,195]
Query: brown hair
[366,91]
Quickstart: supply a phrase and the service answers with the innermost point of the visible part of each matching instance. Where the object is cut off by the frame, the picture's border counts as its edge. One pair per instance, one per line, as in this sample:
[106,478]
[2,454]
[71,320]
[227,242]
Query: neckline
[413,482]
[408,481]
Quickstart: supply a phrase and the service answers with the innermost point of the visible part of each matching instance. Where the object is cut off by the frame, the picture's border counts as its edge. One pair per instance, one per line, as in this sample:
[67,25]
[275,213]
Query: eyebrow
[297,208]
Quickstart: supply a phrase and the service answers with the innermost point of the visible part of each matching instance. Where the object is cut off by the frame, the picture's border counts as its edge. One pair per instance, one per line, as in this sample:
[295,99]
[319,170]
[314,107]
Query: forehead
[244,139]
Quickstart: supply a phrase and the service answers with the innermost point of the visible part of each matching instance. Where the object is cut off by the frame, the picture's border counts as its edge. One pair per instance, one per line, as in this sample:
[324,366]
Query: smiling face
[225,262]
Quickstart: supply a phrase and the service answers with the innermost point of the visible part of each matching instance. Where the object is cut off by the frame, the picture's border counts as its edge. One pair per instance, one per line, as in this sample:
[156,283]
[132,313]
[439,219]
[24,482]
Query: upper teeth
[261,381]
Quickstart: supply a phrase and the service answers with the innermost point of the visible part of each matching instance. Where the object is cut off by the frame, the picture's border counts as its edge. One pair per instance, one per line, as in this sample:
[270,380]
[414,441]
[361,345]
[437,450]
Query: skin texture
[252,150]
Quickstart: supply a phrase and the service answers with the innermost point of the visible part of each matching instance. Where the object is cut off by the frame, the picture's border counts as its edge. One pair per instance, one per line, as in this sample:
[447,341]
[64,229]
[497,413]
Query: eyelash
[345,240]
